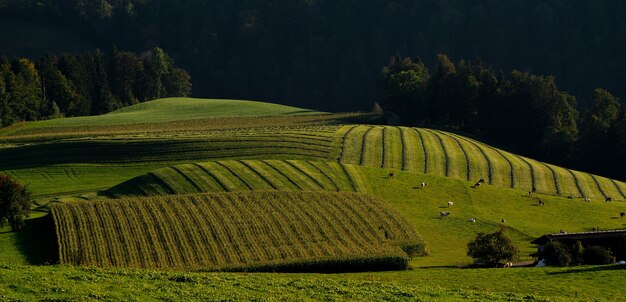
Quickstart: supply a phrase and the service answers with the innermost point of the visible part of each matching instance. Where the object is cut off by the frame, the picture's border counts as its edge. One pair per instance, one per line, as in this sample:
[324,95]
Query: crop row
[243,175]
[320,146]
[446,154]
[231,231]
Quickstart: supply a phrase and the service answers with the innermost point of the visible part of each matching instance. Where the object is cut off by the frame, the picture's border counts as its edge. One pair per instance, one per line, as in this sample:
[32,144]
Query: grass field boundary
[187,178]
[384,144]
[353,183]
[258,174]
[487,158]
[577,182]
[321,171]
[162,182]
[467,161]
[236,175]
[282,174]
[595,180]
[421,139]
[213,177]
[317,182]
[403,148]
[554,177]
[364,144]
[618,188]
[446,155]
[343,142]
[532,171]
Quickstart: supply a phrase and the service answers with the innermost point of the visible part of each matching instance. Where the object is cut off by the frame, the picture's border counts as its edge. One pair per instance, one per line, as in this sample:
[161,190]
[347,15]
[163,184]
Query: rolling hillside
[435,152]
[235,231]
[161,111]
[243,175]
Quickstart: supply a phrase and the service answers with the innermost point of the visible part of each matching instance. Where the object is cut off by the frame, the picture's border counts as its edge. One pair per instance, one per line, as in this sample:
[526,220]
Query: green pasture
[258,146]
[440,153]
[165,110]
[66,283]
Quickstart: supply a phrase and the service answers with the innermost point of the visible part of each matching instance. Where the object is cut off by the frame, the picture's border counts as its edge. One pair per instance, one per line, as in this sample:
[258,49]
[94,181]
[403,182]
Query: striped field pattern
[442,153]
[316,143]
[235,231]
[243,175]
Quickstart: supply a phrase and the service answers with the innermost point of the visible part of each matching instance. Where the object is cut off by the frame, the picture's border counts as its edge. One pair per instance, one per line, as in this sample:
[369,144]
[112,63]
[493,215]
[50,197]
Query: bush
[597,255]
[555,254]
[15,203]
[577,253]
[492,248]
[415,249]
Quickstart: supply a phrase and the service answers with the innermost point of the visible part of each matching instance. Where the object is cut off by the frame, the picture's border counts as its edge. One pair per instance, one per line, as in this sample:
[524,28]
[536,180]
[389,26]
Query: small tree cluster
[15,203]
[492,249]
[557,254]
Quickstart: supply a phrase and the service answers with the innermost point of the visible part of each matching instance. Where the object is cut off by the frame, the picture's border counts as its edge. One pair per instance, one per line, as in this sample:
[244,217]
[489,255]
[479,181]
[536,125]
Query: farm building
[610,239]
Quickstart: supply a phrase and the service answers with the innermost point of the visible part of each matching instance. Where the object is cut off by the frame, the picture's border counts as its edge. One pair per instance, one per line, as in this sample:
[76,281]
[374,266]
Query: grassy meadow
[75,165]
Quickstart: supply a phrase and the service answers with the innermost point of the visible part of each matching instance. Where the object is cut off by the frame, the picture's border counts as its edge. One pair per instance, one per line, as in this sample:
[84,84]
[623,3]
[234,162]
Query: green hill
[429,151]
[160,111]
[328,152]
[243,175]
[235,231]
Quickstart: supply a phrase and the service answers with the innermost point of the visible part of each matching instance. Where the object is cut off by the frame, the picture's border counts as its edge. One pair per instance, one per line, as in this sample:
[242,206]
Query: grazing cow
[562,231]
[391,175]
[534,190]
[482,180]
[423,185]
[472,220]
[595,229]
[476,185]
[541,203]
[508,265]
[570,197]
[503,221]
[450,203]
[587,200]
[622,214]
[444,214]
[608,199]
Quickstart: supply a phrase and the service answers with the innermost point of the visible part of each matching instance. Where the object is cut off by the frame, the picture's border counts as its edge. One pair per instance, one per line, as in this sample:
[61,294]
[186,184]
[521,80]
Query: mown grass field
[243,175]
[442,153]
[91,284]
[69,164]
[164,110]
[300,231]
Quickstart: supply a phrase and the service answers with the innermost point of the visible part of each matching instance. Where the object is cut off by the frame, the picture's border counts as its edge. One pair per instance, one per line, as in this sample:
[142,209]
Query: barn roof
[579,236]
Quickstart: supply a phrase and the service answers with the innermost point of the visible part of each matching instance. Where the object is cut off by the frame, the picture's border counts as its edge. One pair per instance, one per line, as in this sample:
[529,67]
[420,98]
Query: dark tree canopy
[492,248]
[15,203]
[86,84]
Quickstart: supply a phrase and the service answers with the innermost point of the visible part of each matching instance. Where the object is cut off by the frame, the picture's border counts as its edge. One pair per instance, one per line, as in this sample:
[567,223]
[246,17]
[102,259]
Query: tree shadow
[37,241]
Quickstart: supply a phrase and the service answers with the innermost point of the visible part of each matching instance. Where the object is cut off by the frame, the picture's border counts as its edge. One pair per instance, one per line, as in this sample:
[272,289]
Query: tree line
[85,84]
[325,54]
[522,112]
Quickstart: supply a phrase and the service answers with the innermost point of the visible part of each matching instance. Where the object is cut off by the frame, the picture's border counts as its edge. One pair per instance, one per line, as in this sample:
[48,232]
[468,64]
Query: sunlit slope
[309,142]
[301,231]
[244,175]
[164,110]
[442,153]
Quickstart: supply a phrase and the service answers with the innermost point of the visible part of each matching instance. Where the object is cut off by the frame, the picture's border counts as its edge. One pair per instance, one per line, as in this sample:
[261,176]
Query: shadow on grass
[37,241]
[589,269]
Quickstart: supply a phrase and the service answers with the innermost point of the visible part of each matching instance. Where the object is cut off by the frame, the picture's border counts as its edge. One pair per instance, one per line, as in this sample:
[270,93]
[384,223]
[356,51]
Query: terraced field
[441,153]
[243,175]
[317,143]
[235,231]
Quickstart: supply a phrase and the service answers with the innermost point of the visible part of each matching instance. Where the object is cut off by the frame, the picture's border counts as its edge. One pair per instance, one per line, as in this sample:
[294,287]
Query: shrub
[415,249]
[492,248]
[555,254]
[15,203]
[597,255]
[577,253]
